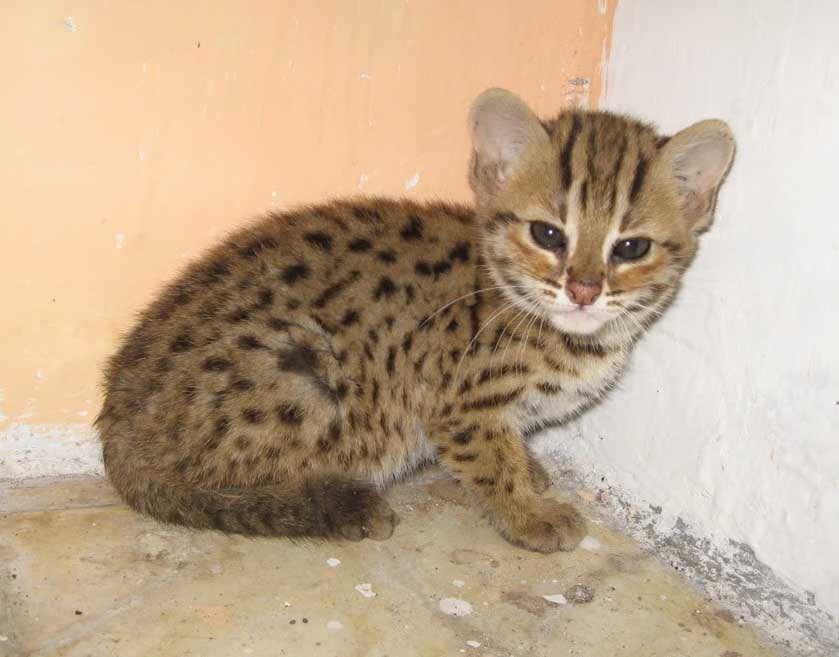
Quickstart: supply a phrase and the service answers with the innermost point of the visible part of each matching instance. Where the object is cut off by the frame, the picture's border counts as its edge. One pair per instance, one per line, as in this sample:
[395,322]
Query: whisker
[483,326]
[451,303]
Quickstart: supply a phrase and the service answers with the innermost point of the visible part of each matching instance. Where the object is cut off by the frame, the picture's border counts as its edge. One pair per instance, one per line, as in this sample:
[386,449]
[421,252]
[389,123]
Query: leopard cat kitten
[317,355]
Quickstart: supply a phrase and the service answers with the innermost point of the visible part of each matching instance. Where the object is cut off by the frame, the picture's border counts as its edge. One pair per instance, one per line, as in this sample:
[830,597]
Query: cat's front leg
[489,458]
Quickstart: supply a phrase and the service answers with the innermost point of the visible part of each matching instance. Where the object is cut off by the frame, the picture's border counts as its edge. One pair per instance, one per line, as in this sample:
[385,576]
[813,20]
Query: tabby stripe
[592,135]
[549,388]
[559,366]
[469,456]
[500,372]
[638,179]
[568,151]
[492,401]
[616,173]
[465,437]
[335,289]
[577,348]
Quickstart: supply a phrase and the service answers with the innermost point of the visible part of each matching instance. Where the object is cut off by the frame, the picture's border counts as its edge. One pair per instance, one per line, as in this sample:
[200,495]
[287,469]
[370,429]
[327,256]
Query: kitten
[312,358]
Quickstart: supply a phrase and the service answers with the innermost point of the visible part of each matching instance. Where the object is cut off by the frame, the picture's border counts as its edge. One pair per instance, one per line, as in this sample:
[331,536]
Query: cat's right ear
[698,159]
[503,130]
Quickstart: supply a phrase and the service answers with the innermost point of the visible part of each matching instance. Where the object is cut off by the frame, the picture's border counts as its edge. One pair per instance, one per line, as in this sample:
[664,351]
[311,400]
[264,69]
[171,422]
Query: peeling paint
[413,181]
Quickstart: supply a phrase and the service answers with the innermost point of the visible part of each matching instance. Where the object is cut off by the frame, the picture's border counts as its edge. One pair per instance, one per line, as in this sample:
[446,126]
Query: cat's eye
[631,249]
[547,236]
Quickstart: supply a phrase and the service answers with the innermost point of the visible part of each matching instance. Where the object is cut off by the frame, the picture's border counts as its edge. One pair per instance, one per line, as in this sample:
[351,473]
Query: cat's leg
[539,477]
[490,459]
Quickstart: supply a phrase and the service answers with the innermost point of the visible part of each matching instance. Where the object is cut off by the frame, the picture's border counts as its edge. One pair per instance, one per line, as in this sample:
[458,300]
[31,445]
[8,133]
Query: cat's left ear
[504,129]
[698,158]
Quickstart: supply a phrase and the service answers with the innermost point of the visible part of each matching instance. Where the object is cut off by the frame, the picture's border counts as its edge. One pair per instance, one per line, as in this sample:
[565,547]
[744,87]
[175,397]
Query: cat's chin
[580,322]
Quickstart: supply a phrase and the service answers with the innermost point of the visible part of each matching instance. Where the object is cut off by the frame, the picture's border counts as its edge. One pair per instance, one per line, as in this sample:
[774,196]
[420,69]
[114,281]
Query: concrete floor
[82,575]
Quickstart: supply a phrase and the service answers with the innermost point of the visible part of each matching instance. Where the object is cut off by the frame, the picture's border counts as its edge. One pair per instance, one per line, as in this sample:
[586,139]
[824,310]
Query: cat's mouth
[580,321]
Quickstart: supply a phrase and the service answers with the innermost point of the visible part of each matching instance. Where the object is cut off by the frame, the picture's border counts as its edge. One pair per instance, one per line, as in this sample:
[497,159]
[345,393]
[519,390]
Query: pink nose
[583,292]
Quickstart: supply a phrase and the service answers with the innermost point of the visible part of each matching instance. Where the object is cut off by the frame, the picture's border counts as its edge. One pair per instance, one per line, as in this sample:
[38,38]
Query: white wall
[730,414]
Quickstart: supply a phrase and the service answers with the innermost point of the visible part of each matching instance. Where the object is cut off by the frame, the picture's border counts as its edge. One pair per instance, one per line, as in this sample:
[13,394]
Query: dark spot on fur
[183,342]
[254,415]
[249,343]
[385,288]
[277,324]
[189,391]
[366,214]
[238,315]
[441,267]
[216,364]
[388,256]
[331,438]
[254,248]
[300,360]
[413,229]
[294,273]
[407,342]
[341,390]
[360,245]
[221,426]
[460,252]
[350,317]
[264,299]
[215,272]
[319,240]
[242,385]
[422,268]
[290,414]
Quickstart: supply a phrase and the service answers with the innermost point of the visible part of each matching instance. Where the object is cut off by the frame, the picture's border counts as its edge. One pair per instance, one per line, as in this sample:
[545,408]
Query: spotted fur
[313,357]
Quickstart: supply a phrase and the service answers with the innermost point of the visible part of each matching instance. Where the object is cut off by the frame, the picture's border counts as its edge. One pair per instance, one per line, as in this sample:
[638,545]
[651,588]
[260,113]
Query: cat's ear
[698,158]
[503,129]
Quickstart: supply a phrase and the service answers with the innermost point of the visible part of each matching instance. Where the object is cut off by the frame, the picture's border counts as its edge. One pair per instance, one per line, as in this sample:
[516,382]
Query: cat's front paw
[550,527]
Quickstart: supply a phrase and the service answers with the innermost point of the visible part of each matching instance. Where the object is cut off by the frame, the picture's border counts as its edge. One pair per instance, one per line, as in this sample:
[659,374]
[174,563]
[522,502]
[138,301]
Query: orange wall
[135,133]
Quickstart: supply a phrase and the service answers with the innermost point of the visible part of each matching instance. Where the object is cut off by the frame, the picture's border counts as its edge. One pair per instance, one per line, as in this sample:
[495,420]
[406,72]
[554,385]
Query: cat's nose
[583,292]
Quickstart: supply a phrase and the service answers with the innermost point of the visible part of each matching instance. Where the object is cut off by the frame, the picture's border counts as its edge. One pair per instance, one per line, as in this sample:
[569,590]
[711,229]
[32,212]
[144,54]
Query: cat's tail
[326,507]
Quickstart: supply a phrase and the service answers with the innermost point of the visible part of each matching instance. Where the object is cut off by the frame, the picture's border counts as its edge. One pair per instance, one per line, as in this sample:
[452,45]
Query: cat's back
[316,270]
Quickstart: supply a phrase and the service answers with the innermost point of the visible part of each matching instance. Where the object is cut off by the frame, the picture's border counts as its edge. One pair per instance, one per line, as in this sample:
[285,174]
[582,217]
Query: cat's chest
[556,397]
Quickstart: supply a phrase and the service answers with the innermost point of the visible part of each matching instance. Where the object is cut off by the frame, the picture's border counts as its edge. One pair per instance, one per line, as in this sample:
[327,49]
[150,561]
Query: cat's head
[591,219]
